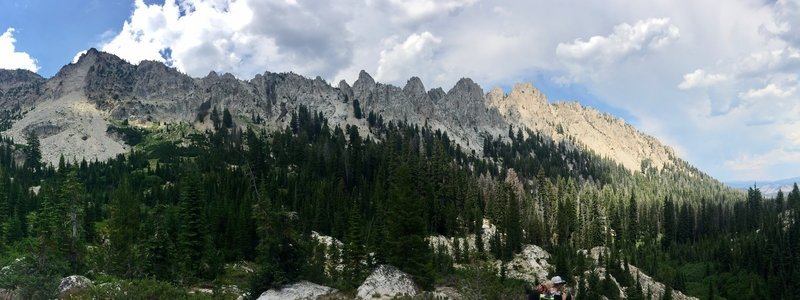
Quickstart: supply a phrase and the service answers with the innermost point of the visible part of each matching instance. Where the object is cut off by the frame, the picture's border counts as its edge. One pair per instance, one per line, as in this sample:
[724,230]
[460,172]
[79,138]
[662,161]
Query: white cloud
[244,37]
[421,10]
[625,40]
[406,57]
[759,162]
[78,56]
[786,25]
[765,62]
[10,58]
[771,90]
[699,78]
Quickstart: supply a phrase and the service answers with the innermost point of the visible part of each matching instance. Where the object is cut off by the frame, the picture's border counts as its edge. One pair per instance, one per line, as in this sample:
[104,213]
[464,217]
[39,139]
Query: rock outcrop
[387,282]
[600,132]
[73,284]
[302,290]
[530,265]
[8,295]
[467,243]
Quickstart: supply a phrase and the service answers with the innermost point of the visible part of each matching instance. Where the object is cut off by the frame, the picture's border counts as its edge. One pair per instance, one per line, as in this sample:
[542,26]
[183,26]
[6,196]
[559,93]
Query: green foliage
[131,135]
[140,289]
[33,153]
[481,282]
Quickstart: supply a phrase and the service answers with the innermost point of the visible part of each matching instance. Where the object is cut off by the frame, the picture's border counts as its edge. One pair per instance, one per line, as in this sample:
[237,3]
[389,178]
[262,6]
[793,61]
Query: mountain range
[767,188]
[71,111]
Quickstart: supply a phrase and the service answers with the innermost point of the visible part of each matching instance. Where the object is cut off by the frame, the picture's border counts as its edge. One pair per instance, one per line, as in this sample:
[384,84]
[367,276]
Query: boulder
[8,295]
[530,265]
[302,290]
[73,284]
[387,282]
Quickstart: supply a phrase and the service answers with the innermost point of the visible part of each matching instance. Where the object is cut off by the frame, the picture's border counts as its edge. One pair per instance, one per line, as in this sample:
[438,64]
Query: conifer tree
[356,109]
[406,229]
[192,238]
[33,153]
[124,229]
[794,197]
[227,119]
[668,223]
[71,199]
[354,253]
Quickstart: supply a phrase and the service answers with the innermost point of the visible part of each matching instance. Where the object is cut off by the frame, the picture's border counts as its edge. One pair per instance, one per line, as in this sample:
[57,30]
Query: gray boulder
[73,284]
[387,282]
[302,290]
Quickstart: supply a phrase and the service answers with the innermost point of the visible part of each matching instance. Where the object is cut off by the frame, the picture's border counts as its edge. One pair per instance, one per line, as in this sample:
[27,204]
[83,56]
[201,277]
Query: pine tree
[124,229]
[33,154]
[281,251]
[667,294]
[71,199]
[406,228]
[192,238]
[161,251]
[512,226]
[5,206]
[794,197]
[354,253]
[356,109]
[631,231]
[227,119]
[215,119]
[635,292]
[668,223]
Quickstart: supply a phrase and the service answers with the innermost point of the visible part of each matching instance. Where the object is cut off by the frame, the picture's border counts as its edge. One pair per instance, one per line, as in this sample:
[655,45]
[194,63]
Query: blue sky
[716,80]
[53,31]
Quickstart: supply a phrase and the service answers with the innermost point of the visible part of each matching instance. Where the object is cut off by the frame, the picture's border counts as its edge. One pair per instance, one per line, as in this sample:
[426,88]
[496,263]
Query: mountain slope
[151,94]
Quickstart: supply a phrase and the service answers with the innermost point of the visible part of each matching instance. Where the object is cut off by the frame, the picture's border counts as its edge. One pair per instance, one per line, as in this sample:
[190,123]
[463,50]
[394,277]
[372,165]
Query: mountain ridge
[151,93]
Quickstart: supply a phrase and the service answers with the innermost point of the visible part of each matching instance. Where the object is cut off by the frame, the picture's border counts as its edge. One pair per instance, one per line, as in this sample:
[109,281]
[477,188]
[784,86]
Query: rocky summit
[71,111]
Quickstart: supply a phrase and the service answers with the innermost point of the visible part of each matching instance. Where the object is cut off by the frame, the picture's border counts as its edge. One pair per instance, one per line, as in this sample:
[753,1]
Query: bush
[137,289]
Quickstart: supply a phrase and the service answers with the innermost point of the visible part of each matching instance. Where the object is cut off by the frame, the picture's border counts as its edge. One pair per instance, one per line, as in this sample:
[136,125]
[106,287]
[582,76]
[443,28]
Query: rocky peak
[414,87]
[346,91]
[465,86]
[19,88]
[11,78]
[363,86]
[364,81]
[436,94]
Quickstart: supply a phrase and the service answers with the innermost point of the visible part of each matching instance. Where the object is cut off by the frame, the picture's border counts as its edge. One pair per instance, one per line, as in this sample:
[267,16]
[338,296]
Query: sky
[715,80]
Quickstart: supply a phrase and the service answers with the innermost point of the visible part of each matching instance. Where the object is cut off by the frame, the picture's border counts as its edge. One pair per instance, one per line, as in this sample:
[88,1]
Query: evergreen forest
[242,208]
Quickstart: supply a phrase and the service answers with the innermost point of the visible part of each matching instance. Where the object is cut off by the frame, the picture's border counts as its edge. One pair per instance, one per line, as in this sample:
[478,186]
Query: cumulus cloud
[421,10]
[770,91]
[10,58]
[786,25]
[406,57]
[78,56]
[699,78]
[625,40]
[761,161]
[239,36]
